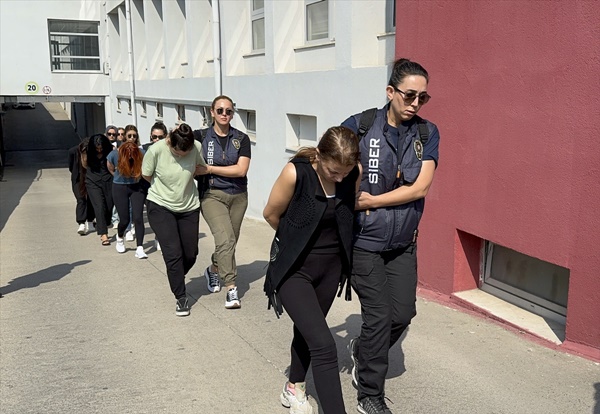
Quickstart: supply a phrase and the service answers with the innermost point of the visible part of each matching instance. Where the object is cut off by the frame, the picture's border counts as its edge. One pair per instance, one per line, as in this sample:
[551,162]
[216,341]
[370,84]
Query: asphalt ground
[85,329]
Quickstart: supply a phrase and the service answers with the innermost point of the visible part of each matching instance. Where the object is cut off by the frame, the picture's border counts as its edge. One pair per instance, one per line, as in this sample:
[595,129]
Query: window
[143,105]
[74,45]
[301,131]
[118,105]
[525,281]
[159,110]
[180,112]
[128,105]
[258,25]
[390,16]
[206,116]
[317,19]
[249,120]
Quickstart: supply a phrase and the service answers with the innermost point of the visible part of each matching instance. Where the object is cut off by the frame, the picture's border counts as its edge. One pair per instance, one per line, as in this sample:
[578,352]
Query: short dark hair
[182,138]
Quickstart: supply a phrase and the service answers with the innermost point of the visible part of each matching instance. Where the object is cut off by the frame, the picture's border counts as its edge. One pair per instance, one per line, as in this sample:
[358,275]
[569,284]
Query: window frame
[328,37]
[255,16]
[57,59]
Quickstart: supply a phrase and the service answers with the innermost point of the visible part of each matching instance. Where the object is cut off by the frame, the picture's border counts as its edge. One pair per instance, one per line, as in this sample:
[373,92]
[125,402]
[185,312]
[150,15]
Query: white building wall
[294,87]
[25,49]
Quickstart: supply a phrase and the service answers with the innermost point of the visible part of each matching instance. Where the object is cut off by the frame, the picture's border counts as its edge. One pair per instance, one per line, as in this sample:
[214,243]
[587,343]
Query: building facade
[510,216]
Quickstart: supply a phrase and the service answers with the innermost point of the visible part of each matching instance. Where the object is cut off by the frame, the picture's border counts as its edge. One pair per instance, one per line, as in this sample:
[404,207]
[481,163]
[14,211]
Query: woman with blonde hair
[311,208]
[125,164]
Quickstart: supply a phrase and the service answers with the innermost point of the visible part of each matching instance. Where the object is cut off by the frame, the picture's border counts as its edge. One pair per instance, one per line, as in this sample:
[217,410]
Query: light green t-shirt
[172,185]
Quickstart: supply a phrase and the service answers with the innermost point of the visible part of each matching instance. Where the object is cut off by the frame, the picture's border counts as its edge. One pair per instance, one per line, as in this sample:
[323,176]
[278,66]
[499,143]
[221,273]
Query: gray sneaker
[232,301]
[213,281]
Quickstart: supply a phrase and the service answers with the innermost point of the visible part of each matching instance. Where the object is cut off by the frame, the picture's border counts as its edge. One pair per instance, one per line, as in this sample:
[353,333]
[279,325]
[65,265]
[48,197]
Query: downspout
[217,47]
[131,63]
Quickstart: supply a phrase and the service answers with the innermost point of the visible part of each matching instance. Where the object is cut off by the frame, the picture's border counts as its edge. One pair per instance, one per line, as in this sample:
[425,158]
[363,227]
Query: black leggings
[122,195]
[177,234]
[307,296]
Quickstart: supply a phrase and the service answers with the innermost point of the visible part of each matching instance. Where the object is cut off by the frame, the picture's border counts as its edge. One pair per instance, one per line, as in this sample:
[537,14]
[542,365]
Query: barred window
[74,45]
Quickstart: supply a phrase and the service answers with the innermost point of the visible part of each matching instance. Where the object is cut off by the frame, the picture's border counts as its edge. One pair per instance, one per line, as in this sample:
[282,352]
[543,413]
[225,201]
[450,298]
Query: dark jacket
[386,168]
[300,221]
[74,164]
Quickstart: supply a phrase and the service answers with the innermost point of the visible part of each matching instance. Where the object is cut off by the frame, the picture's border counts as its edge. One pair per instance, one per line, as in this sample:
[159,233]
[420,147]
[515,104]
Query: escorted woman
[125,163]
[311,207]
[225,194]
[84,212]
[173,205]
[98,181]
[399,155]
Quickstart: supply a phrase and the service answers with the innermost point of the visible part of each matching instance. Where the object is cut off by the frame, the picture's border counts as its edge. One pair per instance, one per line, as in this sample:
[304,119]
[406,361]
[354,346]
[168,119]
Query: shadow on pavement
[50,274]
[597,398]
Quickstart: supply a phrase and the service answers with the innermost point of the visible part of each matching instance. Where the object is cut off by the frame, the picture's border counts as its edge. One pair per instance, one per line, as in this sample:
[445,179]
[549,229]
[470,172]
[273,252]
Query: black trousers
[100,194]
[307,296]
[177,234]
[135,193]
[84,211]
[386,284]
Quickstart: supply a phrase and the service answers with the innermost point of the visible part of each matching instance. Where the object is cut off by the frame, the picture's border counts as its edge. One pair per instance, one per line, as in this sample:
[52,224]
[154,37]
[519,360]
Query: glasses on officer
[227,111]
[409,96]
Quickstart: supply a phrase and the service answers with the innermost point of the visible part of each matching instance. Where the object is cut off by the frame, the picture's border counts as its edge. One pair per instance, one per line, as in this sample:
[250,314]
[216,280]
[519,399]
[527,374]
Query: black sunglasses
[157,136]
[410,96]
[132,136]
[227,111]
[111,134]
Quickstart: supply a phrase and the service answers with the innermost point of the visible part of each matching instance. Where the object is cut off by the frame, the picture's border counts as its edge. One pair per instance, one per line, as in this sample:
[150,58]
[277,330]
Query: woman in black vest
[311,207]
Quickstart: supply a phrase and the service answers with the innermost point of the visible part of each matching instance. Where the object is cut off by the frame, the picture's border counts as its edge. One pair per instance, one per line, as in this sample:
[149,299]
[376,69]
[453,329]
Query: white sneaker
[129,236]
[232,301]
[297,403]
[120,245]
[157,245]
[90,228]
[81,229]
[140,254]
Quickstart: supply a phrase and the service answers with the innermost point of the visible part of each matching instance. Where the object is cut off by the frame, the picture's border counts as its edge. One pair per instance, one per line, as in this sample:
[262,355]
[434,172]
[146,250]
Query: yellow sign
[32,88]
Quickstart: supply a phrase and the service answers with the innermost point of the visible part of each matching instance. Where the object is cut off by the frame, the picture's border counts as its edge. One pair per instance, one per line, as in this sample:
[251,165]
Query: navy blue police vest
[215,154]
[386,168]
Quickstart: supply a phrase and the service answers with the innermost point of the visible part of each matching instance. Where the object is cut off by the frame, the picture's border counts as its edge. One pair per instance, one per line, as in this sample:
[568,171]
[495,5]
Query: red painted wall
[516,96]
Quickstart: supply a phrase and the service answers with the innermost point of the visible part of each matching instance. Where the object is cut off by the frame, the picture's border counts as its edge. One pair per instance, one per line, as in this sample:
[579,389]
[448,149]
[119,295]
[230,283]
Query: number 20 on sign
[32,88]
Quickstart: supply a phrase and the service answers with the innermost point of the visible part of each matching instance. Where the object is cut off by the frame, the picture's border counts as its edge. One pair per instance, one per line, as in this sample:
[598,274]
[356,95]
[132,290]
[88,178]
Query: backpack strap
[423,130]
[367,118]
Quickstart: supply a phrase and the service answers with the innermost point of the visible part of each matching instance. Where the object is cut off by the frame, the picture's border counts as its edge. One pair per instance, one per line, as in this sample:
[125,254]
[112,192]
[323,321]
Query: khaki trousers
[224,214]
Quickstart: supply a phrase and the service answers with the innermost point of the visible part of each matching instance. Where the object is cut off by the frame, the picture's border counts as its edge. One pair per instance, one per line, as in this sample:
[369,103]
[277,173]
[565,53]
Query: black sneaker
[373,405]
[352,348]
[183,308]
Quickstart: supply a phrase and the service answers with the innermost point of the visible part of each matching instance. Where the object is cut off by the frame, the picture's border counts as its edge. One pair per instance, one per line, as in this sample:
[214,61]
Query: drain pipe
[217,47]
[131,63]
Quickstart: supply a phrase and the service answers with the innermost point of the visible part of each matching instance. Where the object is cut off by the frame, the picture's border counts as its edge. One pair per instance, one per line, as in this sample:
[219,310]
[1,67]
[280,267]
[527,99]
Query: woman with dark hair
[173,205]
[311,207]
[225,195]
[399,155]
[84,212]
[98,181]
[125,164]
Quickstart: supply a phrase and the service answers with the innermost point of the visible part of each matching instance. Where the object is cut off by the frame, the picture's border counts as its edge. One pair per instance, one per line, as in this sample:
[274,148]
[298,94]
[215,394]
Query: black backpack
[367,117]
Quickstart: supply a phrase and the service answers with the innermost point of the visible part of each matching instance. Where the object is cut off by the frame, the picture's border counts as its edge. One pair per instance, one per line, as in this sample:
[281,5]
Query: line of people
[345,215]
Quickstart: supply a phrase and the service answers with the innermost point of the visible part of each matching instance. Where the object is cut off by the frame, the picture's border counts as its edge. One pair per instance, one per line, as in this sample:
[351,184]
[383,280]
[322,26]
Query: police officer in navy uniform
[399,155]
[224,194]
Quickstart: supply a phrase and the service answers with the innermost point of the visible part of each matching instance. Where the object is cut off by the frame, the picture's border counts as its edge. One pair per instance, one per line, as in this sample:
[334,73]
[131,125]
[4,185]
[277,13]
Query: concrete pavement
[85,329]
